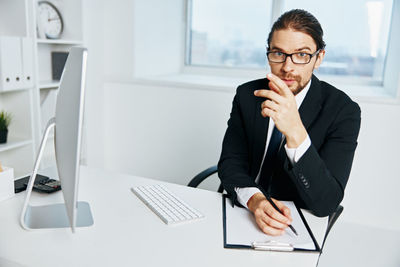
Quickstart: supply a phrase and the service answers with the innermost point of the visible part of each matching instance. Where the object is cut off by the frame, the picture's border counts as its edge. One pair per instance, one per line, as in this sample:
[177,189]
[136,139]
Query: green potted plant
[5,120]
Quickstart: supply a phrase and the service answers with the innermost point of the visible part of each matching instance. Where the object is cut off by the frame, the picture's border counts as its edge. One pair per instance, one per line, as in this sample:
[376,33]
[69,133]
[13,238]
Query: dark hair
[302,21]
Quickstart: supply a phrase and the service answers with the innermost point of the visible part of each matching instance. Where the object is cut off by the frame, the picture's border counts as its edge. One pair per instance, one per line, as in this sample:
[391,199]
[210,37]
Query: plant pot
[3,136]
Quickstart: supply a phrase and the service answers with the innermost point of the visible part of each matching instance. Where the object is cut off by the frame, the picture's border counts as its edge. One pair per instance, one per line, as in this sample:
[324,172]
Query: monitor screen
[67,122]
[68,129]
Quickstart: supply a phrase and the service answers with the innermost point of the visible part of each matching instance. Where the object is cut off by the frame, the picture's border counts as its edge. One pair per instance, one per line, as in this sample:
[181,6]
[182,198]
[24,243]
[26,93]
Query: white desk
[127,233]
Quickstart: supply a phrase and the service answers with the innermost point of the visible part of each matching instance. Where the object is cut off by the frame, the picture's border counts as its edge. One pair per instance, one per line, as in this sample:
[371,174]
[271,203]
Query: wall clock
[50,24]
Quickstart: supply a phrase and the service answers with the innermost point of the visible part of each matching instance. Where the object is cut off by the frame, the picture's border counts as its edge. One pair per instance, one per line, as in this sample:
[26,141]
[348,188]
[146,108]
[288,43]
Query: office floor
[354,245]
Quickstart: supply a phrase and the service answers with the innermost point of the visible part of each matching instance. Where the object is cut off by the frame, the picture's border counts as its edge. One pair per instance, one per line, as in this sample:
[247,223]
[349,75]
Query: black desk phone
[43,184]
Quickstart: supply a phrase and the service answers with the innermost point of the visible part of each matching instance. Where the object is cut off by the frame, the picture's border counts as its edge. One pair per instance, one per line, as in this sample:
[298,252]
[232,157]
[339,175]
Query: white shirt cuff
[245,193]
[294,154]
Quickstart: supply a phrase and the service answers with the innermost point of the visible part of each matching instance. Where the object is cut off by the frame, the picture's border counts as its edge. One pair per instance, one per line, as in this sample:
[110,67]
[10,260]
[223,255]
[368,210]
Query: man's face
[296,76]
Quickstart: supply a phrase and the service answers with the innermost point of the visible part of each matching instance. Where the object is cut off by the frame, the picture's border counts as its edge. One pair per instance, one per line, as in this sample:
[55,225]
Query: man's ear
[320,57]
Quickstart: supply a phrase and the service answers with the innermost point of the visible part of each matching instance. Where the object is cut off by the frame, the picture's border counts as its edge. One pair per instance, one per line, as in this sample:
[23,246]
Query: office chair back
[331,221]
[199,178]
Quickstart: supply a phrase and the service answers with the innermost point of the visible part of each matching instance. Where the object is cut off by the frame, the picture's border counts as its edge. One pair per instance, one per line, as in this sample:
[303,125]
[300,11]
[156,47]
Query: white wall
[372,194]
[110,31]
[172,132]
[163,132]
[93,25]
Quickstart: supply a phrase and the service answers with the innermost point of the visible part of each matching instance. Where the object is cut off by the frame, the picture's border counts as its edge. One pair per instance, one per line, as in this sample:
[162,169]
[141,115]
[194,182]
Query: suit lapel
[260,131]
[311,105]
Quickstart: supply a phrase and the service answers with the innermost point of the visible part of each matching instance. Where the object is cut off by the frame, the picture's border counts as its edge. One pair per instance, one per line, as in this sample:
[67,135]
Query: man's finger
[285,210]
[269,230]
[281,85]
[266,112]
[275,88]
[273,223]
[270,94]
[272,212]
[270,105]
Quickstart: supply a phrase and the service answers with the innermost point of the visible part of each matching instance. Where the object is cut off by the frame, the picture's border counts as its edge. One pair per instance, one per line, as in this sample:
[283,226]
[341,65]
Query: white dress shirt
[294,154]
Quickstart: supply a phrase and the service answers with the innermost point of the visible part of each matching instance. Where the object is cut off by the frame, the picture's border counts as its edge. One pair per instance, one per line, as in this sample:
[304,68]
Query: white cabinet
[26,86]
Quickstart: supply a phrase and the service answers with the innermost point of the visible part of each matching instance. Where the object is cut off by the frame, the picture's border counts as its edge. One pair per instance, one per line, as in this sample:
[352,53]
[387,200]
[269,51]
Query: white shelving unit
[33,107]
[51,84]
[14,144]
[71,12]
[61,42]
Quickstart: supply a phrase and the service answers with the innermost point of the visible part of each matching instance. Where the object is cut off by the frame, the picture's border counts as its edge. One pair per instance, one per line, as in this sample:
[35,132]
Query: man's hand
[268,219]
[281,107]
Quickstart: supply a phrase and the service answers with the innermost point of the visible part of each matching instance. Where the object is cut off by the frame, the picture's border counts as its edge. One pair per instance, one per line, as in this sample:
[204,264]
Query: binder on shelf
[16,63]
[10,63]
[27,62]
[241,231]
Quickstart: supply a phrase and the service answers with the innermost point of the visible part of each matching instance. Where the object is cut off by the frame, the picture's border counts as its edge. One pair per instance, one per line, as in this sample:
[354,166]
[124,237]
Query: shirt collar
[300,96]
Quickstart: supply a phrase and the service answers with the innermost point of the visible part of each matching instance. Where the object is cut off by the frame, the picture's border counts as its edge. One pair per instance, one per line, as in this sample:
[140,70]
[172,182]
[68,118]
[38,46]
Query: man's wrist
[294,154]
[295,139]
[254,200]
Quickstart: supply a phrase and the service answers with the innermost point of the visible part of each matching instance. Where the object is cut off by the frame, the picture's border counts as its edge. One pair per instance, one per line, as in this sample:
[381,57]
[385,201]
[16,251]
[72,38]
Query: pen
[273,205]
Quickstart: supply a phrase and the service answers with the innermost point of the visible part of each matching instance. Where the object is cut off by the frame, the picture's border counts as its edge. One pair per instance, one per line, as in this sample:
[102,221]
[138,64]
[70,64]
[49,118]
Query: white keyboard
[166,205]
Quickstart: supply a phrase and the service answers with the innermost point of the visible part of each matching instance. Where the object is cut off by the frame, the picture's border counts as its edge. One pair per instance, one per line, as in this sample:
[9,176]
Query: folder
[242,231]
[27,62]
[10,63]
[16,63]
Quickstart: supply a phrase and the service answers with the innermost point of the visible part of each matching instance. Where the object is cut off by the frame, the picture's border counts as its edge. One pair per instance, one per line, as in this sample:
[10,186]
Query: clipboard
[242,232]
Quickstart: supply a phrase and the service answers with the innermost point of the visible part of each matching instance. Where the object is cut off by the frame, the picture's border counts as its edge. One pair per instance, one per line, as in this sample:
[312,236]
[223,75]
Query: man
[289,136]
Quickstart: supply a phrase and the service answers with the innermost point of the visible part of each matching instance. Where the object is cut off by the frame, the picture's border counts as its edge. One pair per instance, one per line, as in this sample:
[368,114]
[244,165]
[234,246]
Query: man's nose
[288,64]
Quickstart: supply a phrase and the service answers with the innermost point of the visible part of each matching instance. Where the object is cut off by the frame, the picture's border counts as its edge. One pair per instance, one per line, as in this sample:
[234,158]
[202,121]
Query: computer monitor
[67,122]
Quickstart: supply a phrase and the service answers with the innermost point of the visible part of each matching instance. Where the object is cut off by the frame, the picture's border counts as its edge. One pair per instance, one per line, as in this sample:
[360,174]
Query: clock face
[50,23]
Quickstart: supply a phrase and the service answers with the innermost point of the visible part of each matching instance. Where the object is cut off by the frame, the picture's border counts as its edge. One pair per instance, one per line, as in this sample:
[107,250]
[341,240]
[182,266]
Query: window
[355,32]
[233,33]
[223,34]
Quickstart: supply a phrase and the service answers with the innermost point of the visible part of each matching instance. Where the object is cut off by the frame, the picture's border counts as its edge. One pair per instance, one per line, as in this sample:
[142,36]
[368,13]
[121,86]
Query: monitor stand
[54,215]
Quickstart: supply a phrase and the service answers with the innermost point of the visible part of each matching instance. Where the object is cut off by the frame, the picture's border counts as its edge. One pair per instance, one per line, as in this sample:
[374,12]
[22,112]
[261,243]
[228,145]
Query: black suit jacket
[317,181]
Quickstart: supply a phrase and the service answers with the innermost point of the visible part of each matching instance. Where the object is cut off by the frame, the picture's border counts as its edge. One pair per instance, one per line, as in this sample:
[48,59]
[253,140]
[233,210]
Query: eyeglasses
[297,58]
